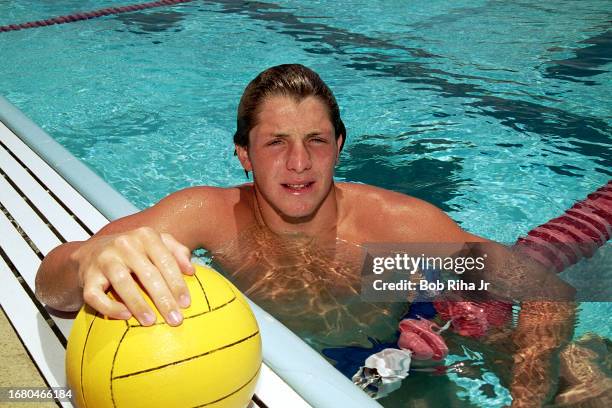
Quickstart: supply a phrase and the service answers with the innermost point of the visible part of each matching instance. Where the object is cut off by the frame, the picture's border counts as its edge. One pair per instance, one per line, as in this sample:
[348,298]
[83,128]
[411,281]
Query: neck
[321,223]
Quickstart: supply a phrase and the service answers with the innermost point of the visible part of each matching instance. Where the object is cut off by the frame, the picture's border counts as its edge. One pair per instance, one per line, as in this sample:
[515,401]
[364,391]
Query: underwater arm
[543,329]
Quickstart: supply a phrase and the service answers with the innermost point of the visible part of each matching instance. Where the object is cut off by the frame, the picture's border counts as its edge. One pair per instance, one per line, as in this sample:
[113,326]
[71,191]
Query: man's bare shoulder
[385,199]
[386,203]
[196,216]
[204,196]
[226,205]
[385,215]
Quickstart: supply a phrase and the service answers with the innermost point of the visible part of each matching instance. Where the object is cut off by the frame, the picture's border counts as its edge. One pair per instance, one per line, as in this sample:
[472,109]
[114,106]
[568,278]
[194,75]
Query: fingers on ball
[94,294]
[165,262]
[180,252]
[126,288]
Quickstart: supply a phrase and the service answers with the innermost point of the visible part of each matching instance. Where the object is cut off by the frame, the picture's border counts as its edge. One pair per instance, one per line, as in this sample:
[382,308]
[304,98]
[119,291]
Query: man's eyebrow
[285,135]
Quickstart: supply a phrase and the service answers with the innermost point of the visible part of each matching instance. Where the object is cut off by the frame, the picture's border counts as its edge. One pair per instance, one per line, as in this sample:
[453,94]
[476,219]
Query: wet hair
[292,80]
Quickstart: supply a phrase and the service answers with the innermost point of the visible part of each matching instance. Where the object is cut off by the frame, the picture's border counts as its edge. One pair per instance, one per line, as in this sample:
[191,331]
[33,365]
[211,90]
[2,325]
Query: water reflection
[589,61]
[588,135]
[152,21]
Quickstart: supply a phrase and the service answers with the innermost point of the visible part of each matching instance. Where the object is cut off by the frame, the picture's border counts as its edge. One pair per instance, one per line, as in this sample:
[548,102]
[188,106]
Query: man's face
[292,153]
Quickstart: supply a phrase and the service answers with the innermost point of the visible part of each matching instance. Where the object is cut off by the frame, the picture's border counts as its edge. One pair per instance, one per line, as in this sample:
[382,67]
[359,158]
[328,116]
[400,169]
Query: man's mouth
[298,188]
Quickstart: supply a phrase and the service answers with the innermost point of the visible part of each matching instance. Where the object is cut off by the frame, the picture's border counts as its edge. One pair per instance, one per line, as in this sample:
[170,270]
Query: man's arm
[543,326]
[151,248]
[543,329]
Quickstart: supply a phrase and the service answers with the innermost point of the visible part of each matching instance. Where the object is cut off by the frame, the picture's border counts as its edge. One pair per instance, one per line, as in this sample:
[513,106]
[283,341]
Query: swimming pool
[498,113]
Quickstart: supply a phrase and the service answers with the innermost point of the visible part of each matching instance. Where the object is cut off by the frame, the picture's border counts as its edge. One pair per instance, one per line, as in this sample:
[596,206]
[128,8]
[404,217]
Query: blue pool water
[498,112]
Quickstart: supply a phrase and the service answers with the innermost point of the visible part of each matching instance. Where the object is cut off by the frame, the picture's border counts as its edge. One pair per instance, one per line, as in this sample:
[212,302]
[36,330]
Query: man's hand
[125,260]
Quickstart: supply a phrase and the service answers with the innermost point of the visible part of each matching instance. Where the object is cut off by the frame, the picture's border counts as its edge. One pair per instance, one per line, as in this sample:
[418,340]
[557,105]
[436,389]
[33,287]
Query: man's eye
[318,140]
[273,142]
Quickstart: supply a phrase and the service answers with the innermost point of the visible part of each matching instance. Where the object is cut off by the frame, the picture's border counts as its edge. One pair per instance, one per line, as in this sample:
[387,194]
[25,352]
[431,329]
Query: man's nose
[298,158]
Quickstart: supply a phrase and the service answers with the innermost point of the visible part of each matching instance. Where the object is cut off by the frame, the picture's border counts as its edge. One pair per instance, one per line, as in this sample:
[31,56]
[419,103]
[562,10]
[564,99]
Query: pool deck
[17,368]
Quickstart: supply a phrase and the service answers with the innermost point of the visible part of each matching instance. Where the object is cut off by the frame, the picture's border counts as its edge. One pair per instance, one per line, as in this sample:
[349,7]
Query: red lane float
[89,15]
[574,235]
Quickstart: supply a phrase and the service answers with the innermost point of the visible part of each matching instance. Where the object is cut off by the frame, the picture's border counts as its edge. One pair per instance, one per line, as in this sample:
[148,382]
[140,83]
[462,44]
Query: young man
[289,135]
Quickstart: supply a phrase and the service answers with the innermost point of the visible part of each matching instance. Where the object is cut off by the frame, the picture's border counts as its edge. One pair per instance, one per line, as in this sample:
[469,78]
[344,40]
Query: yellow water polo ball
[212,359]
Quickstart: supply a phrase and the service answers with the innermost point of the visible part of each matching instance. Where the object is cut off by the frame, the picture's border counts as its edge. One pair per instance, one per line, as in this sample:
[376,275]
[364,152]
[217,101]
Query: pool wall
[309,374]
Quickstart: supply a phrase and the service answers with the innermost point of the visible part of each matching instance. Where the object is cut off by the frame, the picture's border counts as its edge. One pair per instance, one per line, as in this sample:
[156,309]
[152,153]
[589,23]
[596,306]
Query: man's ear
[340,143]
[243,156]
